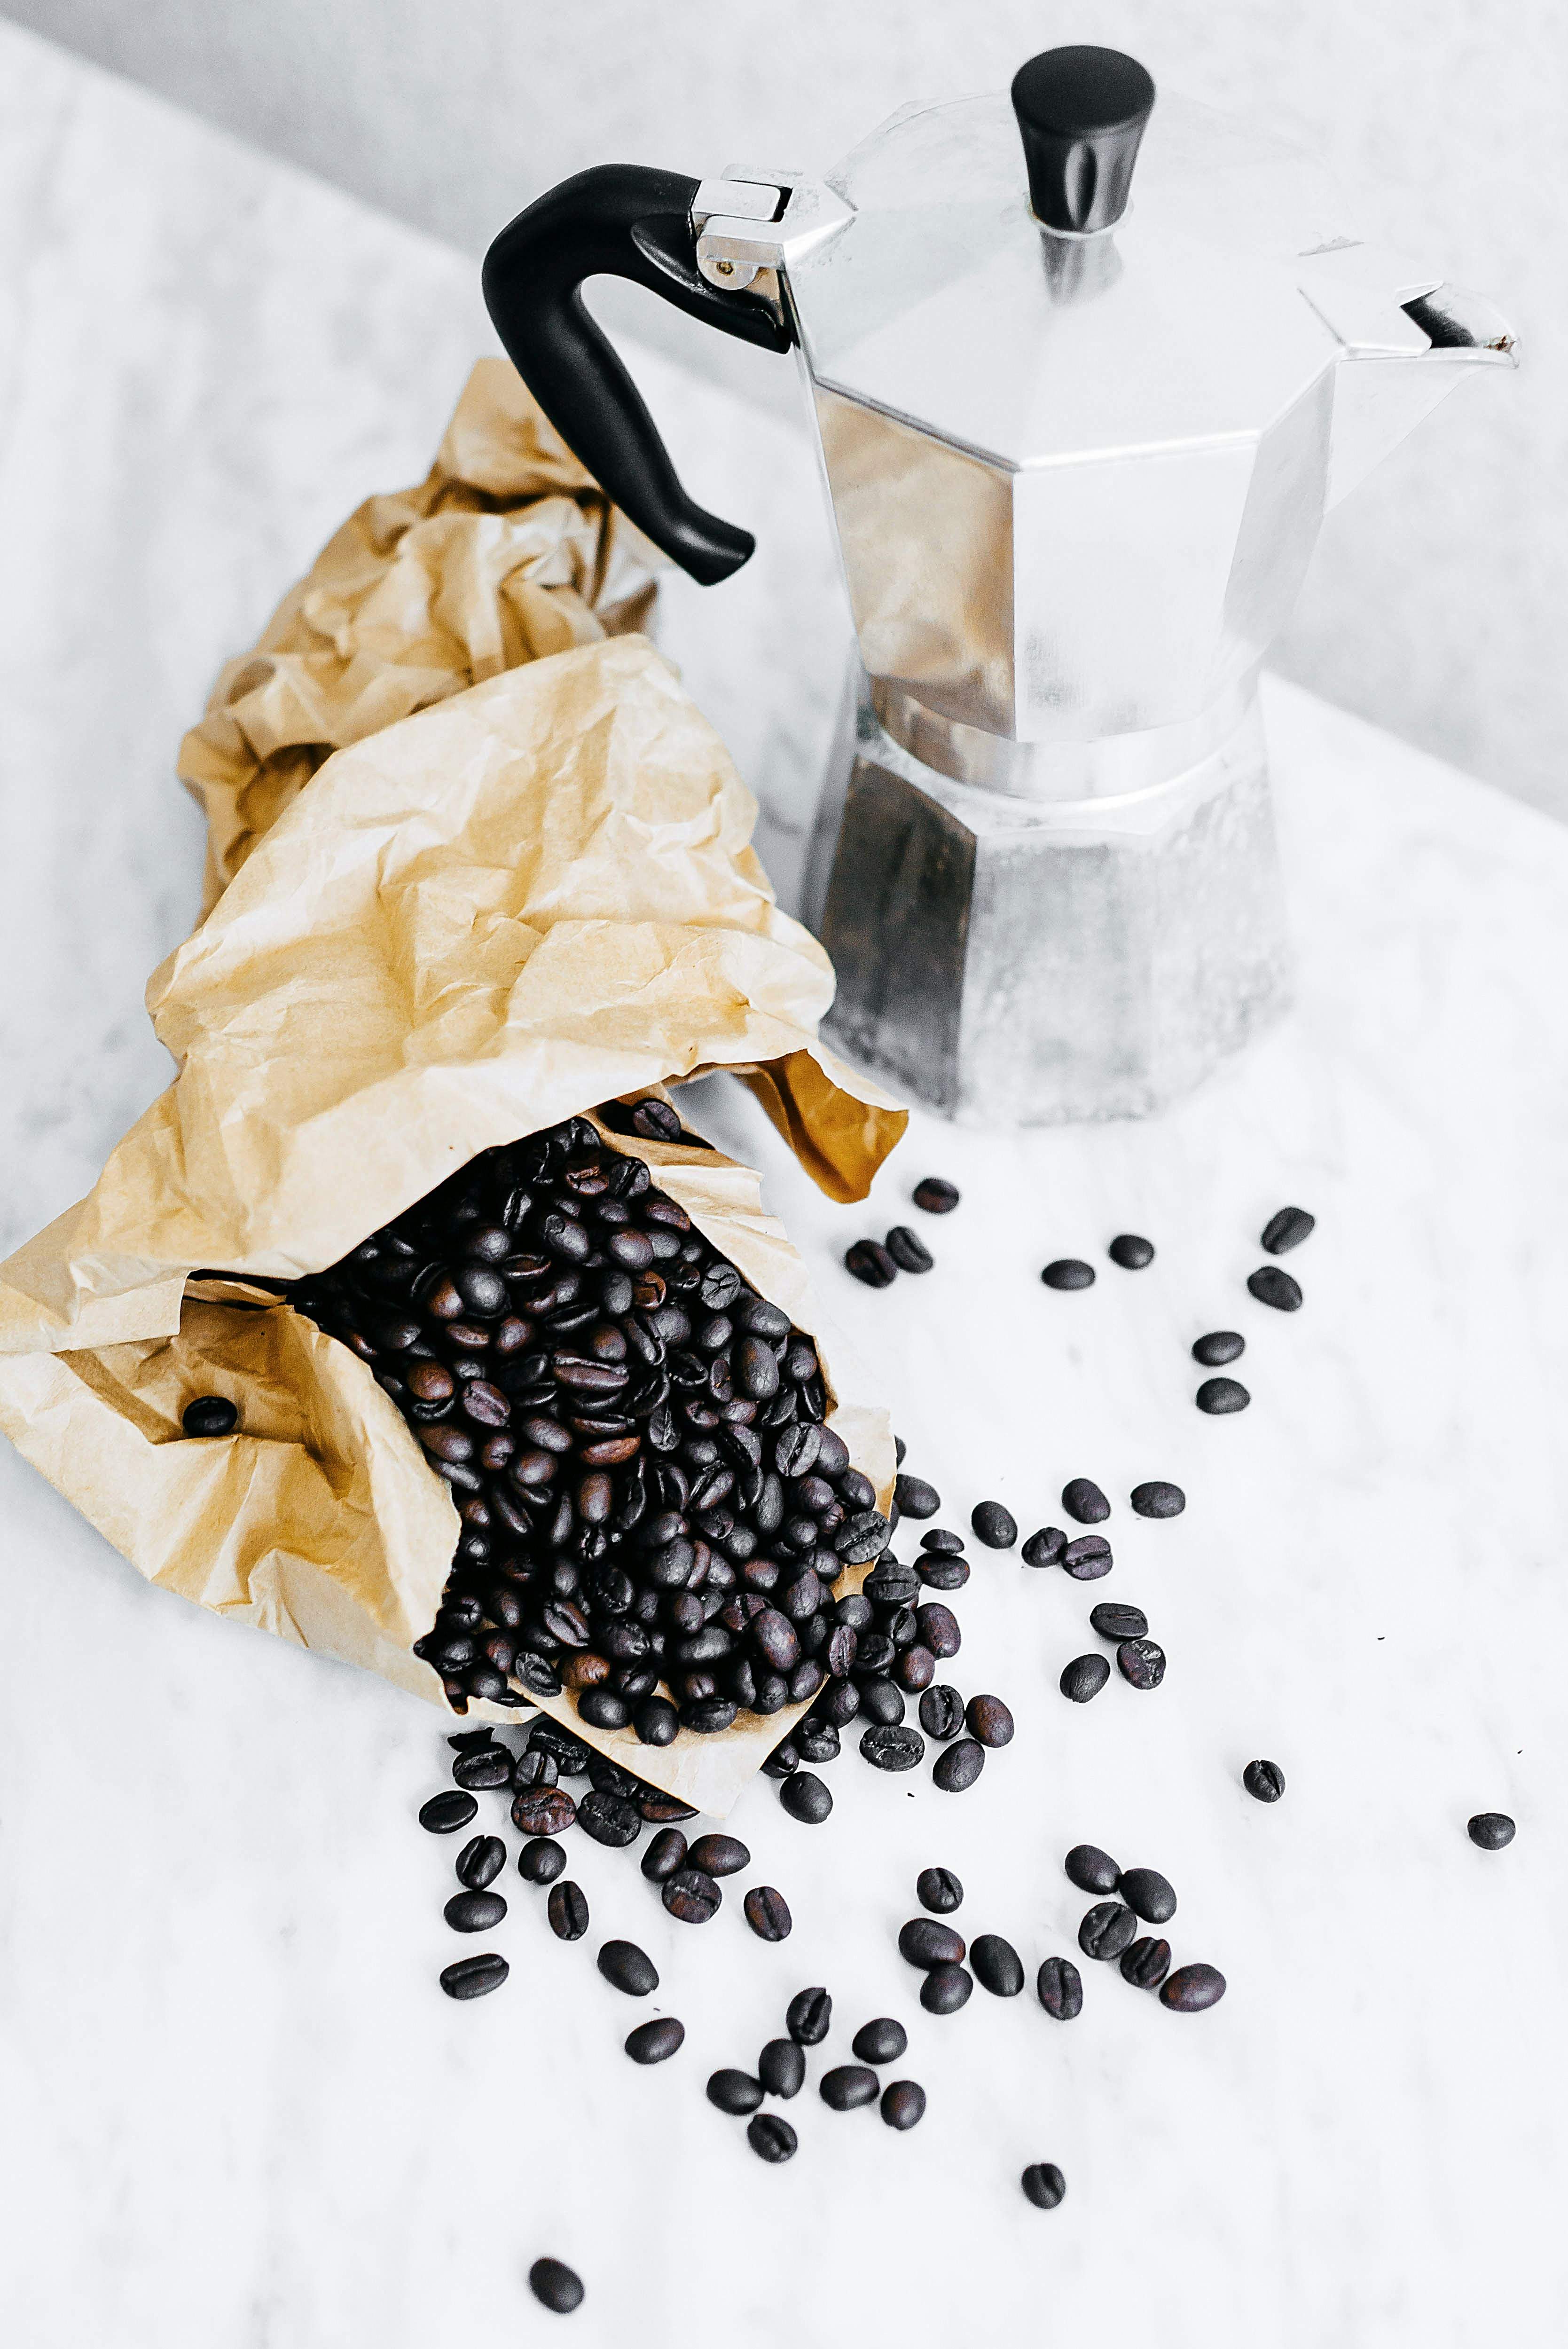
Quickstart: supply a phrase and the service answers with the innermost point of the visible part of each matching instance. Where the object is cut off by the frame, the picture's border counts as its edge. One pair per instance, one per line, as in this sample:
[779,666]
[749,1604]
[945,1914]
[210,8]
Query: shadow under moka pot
[1079,432]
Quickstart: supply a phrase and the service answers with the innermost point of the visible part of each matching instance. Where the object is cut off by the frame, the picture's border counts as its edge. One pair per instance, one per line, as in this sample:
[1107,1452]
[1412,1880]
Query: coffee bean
[537,1767]
[1046,1547]
[609,1819]
[572,1756]
[655,2042]
[664,1856]
[923,1942]
[1084,1677]
[1158,1499]
[940,1712]
[1069,1272]
[1146,1963]
[938,1628]
[602,1709]
[809,2016]
[818,1739]
[989,1721]
[902,2104]
[937,1198]
[1044,2184]
[768,1913]
[916,1498]
[1192,1988]
[1491,1829]
[444,1814]
[1107,1930]
[1084,1502]
[806,1798]
[540,1861]
[209,1415]
[544,1810]
[1058,1985]
[1265,1781]
[881,2041]
[1118,1623]
[957,1767]
[626,1968]
[940,1571]
[1091,1869]
[1218,1346]
[997,1966]
[938,1537]
[567,1909]
[945,1989]
[557,2285]
[1087,1558]
[1271,1285]
[1149,1894]
[771,2137]
[720,1855]
[472,1977]
[897,1748]
[734,2091]
[656,1721]
[908,1250]
[1131,1252]
[1142,1663]
[490,1766]
[847,2086]
[781,2068]
[994,1524]
[1286,1229]
[1219,1397]
[480,1862]
[691,1896]
[469,1741]
[869,1262]
[938,1889]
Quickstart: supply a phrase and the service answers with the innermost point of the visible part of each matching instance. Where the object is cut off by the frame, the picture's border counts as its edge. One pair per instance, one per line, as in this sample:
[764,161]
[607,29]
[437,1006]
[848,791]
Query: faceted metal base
[1032,963]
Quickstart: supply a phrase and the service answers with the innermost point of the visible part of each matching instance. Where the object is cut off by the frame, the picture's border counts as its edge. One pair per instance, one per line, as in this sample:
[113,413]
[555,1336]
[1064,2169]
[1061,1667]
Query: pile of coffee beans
[878,1263]
[1109,1933]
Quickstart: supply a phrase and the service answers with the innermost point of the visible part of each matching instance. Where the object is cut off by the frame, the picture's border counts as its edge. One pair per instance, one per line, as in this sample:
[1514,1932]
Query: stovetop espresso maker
[1080,426]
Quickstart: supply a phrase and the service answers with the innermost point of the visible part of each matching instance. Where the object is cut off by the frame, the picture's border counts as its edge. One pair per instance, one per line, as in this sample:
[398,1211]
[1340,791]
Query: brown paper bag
[537,896]
[507,551]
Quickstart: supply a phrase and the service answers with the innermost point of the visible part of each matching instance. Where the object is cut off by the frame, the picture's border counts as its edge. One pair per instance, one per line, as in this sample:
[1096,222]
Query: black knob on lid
[1081,114]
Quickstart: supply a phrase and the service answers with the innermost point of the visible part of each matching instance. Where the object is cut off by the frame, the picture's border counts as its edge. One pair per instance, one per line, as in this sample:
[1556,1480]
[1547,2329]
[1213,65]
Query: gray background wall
[1438,601]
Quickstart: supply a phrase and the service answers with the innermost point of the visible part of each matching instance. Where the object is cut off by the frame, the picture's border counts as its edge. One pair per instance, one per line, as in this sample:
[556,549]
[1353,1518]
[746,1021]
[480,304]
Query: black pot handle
[623,221]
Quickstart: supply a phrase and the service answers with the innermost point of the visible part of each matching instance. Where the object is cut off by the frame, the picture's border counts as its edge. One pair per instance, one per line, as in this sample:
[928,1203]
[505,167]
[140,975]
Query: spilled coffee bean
[806,1798]
[940,1712]
[1158,1499]
[490,1768]
[916,1498]
[989,1720]
[1087,1558]
[893,1748]
[945,1989]
[781,2068]
[1145,1963]
[1084,1677]
[848,2087]
[444,1814]
[1286,1229]
[923,1942]
[1130,1251]
[1191,1989]
[1091,1869]
[1271,1285]
[1044,2184]
[734,2091]
[1218,1346]
[808,2017]
[1265,1781]
[544,1810]
[994,1524]
[1490,1830]
[881,2041]
[691,1896]
[664,1856]
[1085,1502]
[559,2287]
[655,2042]
[719,1855]
[997,1966]
[1069,1272]
[1221,1397]
[1107,1930]
[908,1250]
[1045,1548]
[937,1198]
[609,1819]
[902,2104]
[1142,1663]
[626,1968]
[941,1571]
[768,1913]
[771,2137]
[540,1860]
[567,1909]
[1149,1894]
[938,1889]
[958,1766]
[474,1977]
[869,1262]
[209,1415]
[474,1913]
[1058,1985]
[1118,1623]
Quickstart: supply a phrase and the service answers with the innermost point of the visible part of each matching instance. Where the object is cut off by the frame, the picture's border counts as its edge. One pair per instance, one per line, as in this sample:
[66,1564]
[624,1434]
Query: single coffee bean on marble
[1150,1895]
[1221,1397]
[1084,1502]
[1046,1547]
[1142,1663]
[544,1810]
[1115,1621]
[664,1856]
[1145,1963]
[1491,1830]
[938,1889]
[908,1250]
[923,1942]
[771,2137]
[768,1913]
[989,1721]
[1271,1285]
[1217,1346]
[1107,1930]
[1192,1988]
[490,1766]
[480,1862]
[1286,1228]
[869,1262]
[806,1798]
[848,2087]
[626,1968]
[473,1977]
[808,2017]
[1069,1272]
[939,1570]
[938,1537]
[895,1748]
[957,1767]
[997,1966]
[915,1497]
[1084,1677]
[881,2041]
[1087,1558]
[734,2091]
[936,1197]
[540,1860]
[655,2042]
[1044,2184]
[1091,1869]
[902,2104]
[1130,1251]
[1059,1986]
[1158,1499]
[469,1741]
[691,1896]
[995,1526]
[445,1812]
[209,1415]
[1265,1781]
[781,2068]
[555,2284]
[719,1855]
[609,1819]
[567,1909]
[940,1712]
[945,1989]
[537,1767]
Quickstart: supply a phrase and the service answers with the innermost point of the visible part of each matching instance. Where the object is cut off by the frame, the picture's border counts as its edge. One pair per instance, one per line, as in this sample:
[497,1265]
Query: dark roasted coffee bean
[936,1196]
[572,1756]
[1218,1346]
[781,2068]
[1491,1830]
[490,1766]
[472,1977]
[771,2137]
[537,1767]
[1149,1894]
[945,1989]
[883,1706]
[469,1741]
[1044,2184]
[869,1262]
[810,2012]
[848,2087]
[1265,1781]
[908,1250]
[1286,1229]
[938,1889]
[939,1538]
[540,1860]
[1145,1963]
[544,1810]
[806,1798]
[1084,1502]
[1271,1285]
[480,1862]
[989,1721]
[626,1968]
[474,1913]
[559,2287]
[1107,1930]
[691,1896]
[444,1814]
[1118,1623]
[1142,1663]
[916,1498]
[665,1855]
[719,1855]
[658,1808]
[1084,1677]
[994,1524]
[1158,1499]
[1046,1547]
[1219,1397]
[940,1712]
[817,1740]
[957,1767]
[1091,1869]
[602,1709]
[881,2041]
[938,1628]
[567,1909]
[734,2091]
[1069,1272]
[768,1913]
[1059,1986]
[940,1571]
[1192,1988]
[997,1966]
[655,2042]
[895,1748]
[656,1721]
[212,1415]
[902,2104]
[1131,1252]
[923,1942]
[608,1818]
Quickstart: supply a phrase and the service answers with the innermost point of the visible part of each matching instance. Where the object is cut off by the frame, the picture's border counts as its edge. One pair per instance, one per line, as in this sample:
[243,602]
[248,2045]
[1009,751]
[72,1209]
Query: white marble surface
[234,2112]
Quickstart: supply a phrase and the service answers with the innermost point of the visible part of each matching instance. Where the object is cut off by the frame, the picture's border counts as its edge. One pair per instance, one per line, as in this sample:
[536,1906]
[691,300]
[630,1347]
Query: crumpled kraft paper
[508,551]
[538,896]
